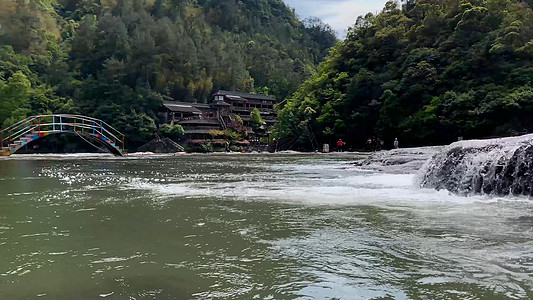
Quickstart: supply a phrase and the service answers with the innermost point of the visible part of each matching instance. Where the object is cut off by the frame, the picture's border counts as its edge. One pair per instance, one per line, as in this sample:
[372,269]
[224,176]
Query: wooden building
[200,119]
[242,104]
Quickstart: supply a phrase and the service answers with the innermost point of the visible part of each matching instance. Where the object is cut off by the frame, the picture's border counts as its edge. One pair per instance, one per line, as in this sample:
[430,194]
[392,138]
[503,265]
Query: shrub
[200,146]
[217,134]
[232,135]
[235,148]
[255,118]
[238,119]
[206,148]
[175,132]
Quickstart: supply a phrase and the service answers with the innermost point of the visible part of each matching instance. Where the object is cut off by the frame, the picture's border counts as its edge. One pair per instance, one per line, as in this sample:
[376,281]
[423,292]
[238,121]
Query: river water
[251,227]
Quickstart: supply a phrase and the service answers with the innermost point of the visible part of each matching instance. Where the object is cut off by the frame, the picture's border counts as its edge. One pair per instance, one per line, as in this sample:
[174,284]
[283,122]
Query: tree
[14,98]
[255,118]
[175,132]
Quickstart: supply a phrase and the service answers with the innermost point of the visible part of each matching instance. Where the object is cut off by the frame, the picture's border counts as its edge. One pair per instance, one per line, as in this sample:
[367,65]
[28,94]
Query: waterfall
[493,167]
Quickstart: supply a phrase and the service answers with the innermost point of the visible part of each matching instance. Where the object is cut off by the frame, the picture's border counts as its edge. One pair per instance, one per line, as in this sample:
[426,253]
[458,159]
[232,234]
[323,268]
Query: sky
[339,14]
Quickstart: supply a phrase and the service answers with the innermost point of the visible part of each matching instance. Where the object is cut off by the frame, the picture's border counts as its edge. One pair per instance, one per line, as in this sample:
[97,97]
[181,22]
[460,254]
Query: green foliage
[138,127]
[175,132]
[200,147]
[235,148]
[14,98]
[232,135]
[427,72]
[228,134]
[206,148]
[238,119]
[217,134]
[255,118]
[118,60]
[263,90]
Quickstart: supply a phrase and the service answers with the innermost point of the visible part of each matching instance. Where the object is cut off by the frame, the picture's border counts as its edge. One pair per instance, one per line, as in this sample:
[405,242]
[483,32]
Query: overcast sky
[340,14]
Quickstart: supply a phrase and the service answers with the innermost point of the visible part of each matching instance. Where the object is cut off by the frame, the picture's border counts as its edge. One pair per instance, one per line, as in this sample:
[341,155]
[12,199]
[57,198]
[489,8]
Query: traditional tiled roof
[182,107]
[237,95]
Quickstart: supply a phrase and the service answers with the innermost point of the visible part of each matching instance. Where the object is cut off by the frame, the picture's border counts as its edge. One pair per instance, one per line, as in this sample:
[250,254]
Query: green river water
[222,226]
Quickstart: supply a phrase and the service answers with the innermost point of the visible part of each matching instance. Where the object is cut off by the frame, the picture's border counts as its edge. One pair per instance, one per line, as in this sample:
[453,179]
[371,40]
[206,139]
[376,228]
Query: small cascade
[492,167]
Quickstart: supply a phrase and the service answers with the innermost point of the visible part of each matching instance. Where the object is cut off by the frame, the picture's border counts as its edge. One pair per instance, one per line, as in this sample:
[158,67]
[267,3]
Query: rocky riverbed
[499,167]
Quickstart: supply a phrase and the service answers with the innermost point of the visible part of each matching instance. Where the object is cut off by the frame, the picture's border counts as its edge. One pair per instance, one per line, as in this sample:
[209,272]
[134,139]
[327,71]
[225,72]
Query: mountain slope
[118,59]
[426,73]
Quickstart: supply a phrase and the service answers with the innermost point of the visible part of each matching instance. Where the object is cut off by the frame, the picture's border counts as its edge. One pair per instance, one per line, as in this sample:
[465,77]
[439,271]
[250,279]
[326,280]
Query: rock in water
[161,145]
[494,167]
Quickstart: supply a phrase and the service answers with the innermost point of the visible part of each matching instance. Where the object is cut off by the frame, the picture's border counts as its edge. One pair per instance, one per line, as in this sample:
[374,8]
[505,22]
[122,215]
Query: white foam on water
[359,189]
[115,259]
[301,181]
[106,295]
[381,180]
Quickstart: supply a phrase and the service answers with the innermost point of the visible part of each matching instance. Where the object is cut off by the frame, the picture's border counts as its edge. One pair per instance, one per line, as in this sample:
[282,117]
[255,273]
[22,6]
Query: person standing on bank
[369,145]
[396,144]
[340,143]
[275,145]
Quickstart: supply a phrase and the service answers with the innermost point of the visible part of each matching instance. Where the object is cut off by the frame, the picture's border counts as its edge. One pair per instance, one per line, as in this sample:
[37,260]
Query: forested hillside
[426,72]
[119,59]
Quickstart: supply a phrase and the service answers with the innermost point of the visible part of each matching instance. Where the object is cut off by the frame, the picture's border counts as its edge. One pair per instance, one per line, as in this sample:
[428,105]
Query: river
[280,226]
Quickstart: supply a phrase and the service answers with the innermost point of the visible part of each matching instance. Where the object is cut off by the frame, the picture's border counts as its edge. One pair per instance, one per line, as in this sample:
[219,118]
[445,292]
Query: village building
[200,119]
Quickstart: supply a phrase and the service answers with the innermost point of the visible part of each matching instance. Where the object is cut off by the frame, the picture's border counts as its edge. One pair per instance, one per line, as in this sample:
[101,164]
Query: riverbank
[151,155]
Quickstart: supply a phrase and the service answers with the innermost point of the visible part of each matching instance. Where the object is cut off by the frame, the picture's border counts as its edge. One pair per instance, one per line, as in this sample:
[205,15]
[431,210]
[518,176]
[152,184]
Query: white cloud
[340,14]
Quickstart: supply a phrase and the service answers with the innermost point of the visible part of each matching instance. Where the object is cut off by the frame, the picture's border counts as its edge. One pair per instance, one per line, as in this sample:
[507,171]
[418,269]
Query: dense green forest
[118,60]
[426,72]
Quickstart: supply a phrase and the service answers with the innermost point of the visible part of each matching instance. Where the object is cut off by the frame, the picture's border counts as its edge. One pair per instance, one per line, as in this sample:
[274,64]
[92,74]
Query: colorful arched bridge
[94,131]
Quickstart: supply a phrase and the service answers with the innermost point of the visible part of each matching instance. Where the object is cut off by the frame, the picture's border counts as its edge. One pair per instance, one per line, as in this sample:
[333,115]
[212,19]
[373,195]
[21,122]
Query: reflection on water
[242,226]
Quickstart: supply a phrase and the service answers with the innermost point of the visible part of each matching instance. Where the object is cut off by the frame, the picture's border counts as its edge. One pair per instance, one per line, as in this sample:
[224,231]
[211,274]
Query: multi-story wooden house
[199,120]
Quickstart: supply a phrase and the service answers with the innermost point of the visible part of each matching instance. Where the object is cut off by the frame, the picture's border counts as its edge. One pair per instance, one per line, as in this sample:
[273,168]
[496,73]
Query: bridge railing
[14,131]
[49,124]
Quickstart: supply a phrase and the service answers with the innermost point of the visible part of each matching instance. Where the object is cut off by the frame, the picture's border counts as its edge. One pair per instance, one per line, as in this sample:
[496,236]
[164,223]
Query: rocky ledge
[399,161]
[493,167]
